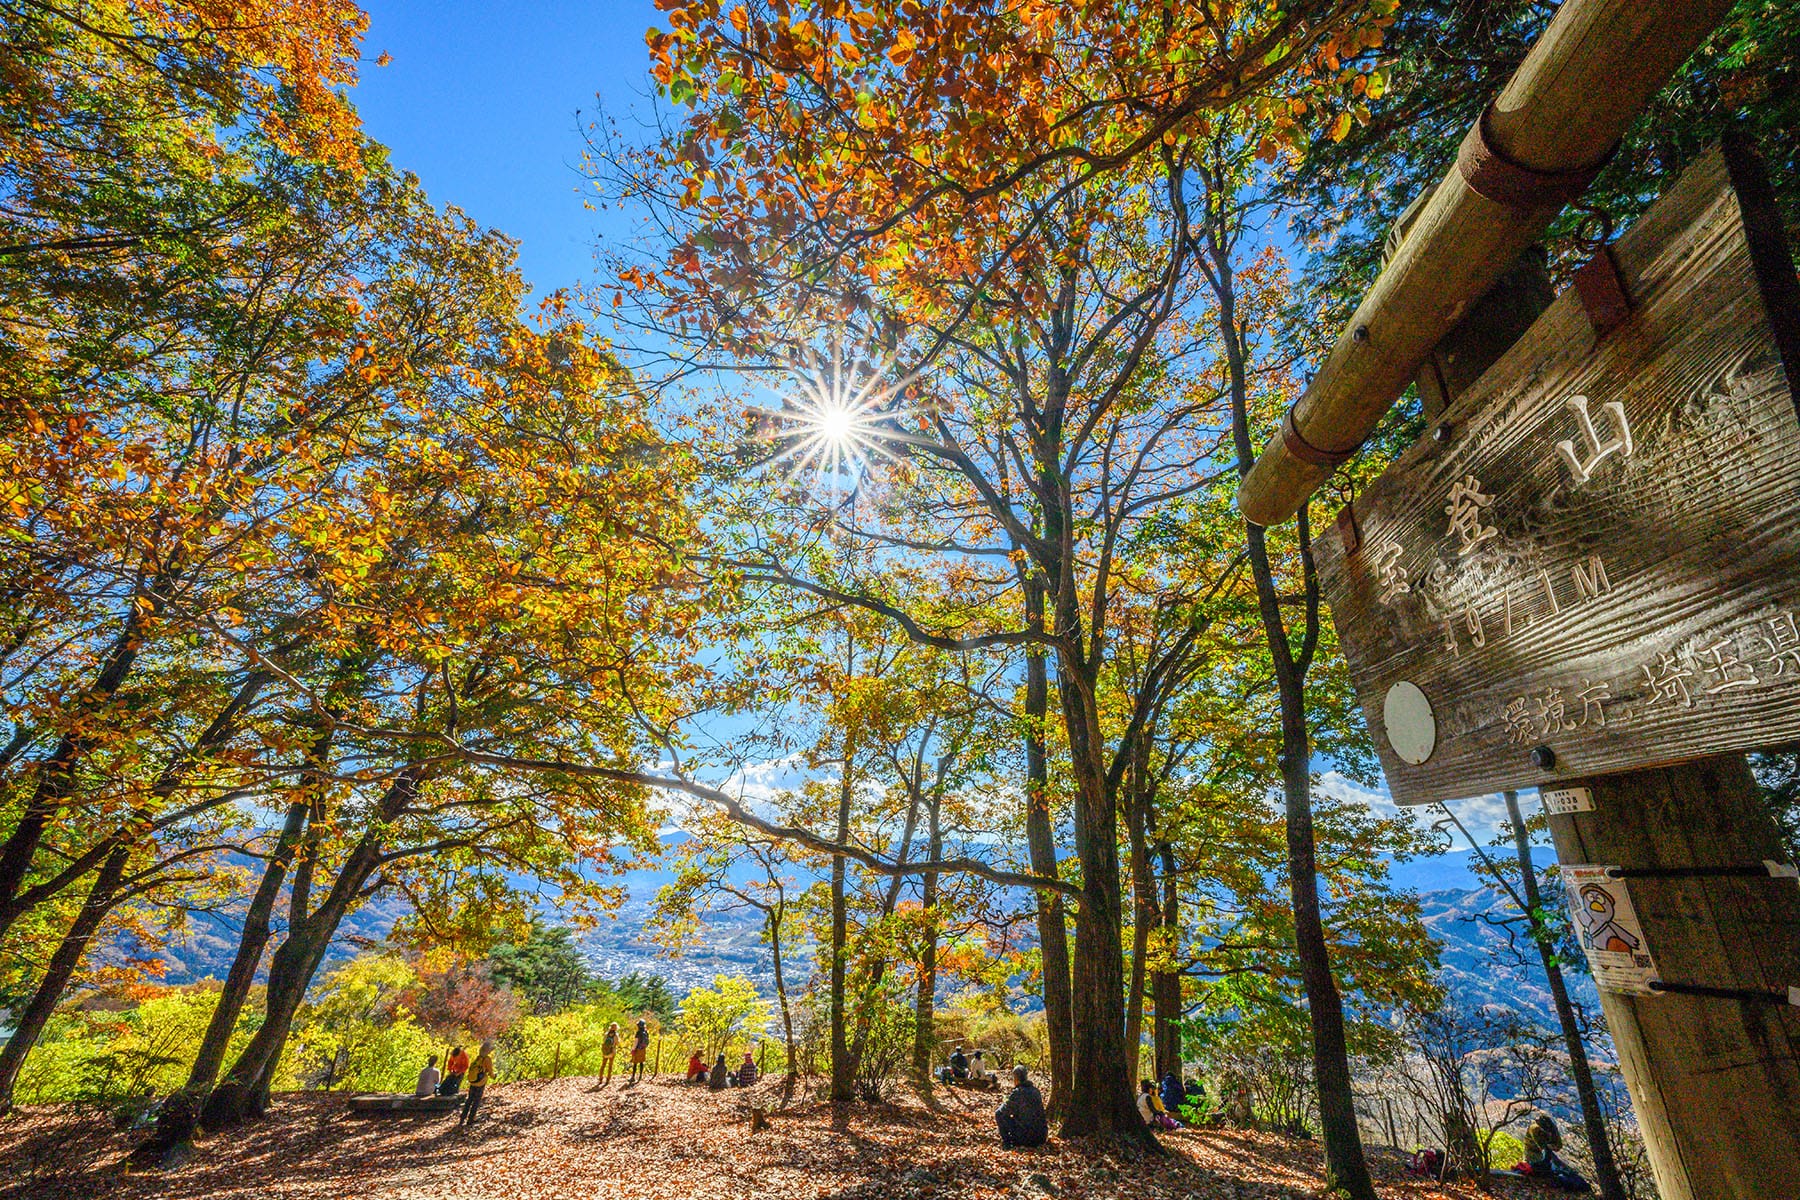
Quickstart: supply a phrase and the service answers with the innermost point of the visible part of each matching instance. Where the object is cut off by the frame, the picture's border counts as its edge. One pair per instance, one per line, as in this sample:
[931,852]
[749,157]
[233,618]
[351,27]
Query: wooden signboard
[1593,563]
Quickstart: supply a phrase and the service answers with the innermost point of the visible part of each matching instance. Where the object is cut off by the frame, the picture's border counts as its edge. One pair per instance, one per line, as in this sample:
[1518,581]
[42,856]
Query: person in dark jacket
[959,1065]
[1021,1118]
[640,1046]
[719,1078]
[1174,1095]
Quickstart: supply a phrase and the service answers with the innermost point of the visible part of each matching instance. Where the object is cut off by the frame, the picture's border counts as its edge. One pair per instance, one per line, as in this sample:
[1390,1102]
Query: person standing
[454,1070]
[640,1046]
[479,1075]
[1151,1108]
[609,1046]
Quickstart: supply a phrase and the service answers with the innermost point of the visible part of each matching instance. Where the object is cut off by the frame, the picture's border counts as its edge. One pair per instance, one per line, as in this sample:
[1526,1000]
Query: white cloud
[1482,816]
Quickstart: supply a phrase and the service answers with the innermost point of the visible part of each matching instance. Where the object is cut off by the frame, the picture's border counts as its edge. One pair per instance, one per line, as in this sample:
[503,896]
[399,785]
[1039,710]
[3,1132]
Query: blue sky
[480,102]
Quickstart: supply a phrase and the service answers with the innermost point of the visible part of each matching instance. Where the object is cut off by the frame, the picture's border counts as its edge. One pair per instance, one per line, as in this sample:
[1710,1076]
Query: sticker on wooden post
[1607,926]
[1560,802]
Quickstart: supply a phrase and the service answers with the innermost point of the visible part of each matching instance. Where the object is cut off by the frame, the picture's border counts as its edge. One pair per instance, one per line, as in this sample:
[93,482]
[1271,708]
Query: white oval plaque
[1411,726]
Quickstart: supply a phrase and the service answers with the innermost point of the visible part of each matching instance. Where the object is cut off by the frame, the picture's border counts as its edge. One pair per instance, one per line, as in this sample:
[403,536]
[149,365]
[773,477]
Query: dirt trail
[660,1141]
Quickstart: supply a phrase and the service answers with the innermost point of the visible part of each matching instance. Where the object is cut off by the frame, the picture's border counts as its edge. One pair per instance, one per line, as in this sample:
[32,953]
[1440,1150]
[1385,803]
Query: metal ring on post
[1306,452]
[1491,174]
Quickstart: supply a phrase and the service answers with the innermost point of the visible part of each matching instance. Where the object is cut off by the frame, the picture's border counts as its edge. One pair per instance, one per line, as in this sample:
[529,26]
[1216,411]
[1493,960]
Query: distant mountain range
[1478,968]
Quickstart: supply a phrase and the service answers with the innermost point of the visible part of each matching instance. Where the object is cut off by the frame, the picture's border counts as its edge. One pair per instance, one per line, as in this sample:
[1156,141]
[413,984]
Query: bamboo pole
[1595,67]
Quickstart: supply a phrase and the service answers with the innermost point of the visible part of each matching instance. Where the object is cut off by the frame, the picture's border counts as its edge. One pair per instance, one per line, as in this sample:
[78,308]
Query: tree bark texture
[1040,837]
[1165,986]
[1715,1081]
[843,1071]
[925,999]
[245,1090]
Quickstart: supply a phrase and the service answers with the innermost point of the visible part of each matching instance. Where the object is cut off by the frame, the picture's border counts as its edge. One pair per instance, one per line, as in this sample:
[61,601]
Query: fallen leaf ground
[661,1140]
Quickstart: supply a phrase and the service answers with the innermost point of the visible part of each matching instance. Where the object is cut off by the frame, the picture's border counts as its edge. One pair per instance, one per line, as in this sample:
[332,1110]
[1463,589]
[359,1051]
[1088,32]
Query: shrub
[730,1011]
[565,1043]
[105,1056]
[887,1045]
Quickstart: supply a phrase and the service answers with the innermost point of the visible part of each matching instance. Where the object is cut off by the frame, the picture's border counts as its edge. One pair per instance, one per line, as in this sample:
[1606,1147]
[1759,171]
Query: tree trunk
[245,1091]
[877,970]
[1143,893]
[1345,1166]
[253,940]
[775,914]
[1606,1172]
[843,1071]
[1040,837]
[30,1021]
[925,1001]
[1165,986]
[1100,1099]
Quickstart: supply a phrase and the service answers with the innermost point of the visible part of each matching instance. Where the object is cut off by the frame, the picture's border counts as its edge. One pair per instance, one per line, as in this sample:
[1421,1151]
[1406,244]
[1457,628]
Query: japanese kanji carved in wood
[1595,565]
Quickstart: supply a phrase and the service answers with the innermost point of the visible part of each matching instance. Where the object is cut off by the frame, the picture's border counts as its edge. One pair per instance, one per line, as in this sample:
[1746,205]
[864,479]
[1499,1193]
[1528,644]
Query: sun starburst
[846,414]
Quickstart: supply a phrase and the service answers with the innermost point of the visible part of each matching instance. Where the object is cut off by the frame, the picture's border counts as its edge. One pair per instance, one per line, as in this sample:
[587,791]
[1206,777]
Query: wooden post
[1553,125]
[656,1067]
[1716,1082]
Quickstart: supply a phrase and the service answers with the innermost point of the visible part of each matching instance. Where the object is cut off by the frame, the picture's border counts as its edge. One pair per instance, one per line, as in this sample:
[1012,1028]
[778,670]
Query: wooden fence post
[1715,1081]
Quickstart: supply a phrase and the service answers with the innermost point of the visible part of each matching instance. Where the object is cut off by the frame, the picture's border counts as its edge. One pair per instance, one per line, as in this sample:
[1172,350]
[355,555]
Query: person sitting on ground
[696,1068]
[454,1070]
[428,1079]
[479,1075]
[1150,1107]
[746,1072]
[719,1078]
[1240,1110]
[1021,1117]
[1542,1140]
[1173,1094]
[1424,1163]
[979,1075]
[959,1065]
